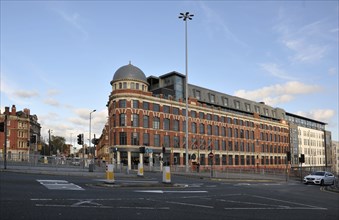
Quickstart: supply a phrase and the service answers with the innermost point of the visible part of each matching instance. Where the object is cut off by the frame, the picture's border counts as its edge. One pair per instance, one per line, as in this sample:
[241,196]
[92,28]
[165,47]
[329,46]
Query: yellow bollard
[166,174]
[109,173]
[140,169]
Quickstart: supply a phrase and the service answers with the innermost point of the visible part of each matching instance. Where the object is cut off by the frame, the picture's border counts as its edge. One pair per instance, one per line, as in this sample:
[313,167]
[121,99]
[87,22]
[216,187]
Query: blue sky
[58,57]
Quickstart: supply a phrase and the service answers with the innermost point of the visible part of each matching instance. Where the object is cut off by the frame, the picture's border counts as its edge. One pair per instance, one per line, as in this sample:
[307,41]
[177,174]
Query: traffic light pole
[5,147]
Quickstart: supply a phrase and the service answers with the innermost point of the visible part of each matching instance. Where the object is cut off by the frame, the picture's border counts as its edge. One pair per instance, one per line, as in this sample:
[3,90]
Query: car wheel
[322,182]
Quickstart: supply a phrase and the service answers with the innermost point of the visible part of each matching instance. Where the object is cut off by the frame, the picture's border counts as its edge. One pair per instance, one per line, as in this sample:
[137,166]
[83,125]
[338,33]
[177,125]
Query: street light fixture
[186,16]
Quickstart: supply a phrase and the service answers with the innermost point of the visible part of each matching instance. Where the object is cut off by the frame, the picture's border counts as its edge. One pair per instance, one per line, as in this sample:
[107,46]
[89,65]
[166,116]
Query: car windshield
[318,173]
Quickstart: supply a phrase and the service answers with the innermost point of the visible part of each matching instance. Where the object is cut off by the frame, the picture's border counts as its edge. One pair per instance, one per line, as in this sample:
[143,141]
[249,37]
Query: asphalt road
[36,196]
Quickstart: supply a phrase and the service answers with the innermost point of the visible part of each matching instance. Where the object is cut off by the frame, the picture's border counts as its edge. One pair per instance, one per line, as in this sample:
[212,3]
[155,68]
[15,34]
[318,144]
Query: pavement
[131,179]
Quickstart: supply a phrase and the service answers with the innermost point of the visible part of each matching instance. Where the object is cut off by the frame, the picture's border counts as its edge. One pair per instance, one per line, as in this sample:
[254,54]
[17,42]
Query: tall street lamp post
[90,126]
[186,16]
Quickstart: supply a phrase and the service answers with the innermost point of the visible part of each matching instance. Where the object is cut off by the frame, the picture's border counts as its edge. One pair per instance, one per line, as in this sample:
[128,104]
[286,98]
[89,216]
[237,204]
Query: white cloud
[25,94]
[52,102]
[74,20]
[274,70]
[279,93]
[332,71]
[213,23]
[308,43]
[305,51]
[323,115]
[53,92]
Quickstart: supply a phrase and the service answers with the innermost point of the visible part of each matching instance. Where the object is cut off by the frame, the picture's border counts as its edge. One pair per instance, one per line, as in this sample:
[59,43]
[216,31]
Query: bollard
[140,169]
[166,174]
[109,173]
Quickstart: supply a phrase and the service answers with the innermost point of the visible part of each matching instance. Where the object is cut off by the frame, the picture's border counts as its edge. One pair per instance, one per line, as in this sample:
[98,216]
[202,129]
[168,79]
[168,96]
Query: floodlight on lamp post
[186,16]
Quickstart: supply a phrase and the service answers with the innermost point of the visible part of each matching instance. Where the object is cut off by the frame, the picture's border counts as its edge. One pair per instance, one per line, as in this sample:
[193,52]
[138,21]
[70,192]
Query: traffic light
[2,126]
[80,139]
[33,139]
[302,158]
[142,150]
[288,155]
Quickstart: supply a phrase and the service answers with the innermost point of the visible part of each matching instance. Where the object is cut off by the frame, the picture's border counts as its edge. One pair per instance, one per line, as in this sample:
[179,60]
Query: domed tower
[129,77]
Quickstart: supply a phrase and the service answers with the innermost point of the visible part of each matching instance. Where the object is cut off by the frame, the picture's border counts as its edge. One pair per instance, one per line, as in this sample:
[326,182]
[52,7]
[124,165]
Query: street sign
[148,150]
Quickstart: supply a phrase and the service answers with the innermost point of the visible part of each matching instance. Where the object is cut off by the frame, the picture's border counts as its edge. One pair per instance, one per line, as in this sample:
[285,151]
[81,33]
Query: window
[135,138]
[122,121]
[216,130]
[208,116]
[236,104]
[146,139]
[166,141]
[120,85]
[175,111]
[209,129]
[215,118]
[132,86]
[225,101]
[216,144]
[175,125]
[166,125]
[266,111]
[194,127]
[122,103]
[257,109]
[183,112]
[123,138]
[230,145]
[184,125]
[212,98]
[223,145]
[157,140]
[125,85]
[193,114]
[156,123]
[135,120]
[135,104]
[145,105]
[197,94]
[223,131]
[137,86]
[248,107]
[229,132]
[145,121]
[176,142]
[201,128]
[201,115]
[156,107]
[166,109]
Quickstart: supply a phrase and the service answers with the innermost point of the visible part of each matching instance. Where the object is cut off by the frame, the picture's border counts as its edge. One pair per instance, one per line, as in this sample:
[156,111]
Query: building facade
[308,137]
[335,157]
[151,112]
[20,127]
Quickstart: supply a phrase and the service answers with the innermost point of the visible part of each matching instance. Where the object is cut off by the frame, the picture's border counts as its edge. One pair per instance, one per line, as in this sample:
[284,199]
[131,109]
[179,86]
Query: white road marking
[272,208]
[167,191]
[59,185]
[190,204]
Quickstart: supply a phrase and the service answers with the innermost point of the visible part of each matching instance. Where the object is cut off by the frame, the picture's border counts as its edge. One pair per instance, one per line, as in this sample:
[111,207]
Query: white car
[320,177]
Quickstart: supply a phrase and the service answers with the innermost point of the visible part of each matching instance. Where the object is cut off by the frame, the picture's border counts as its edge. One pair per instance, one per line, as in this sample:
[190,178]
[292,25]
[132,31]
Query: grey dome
[129,72]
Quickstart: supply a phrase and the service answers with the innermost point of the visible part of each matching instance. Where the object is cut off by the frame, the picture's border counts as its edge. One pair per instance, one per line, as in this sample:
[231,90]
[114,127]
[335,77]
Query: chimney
[13,110]
[27,111]
[6,110]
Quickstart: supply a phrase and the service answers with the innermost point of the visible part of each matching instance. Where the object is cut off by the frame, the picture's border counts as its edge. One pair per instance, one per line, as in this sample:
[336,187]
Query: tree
[58,144]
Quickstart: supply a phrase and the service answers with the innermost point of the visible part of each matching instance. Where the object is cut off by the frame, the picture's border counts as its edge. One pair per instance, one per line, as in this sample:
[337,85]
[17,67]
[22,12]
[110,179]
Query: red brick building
[20,127]
[151,112]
